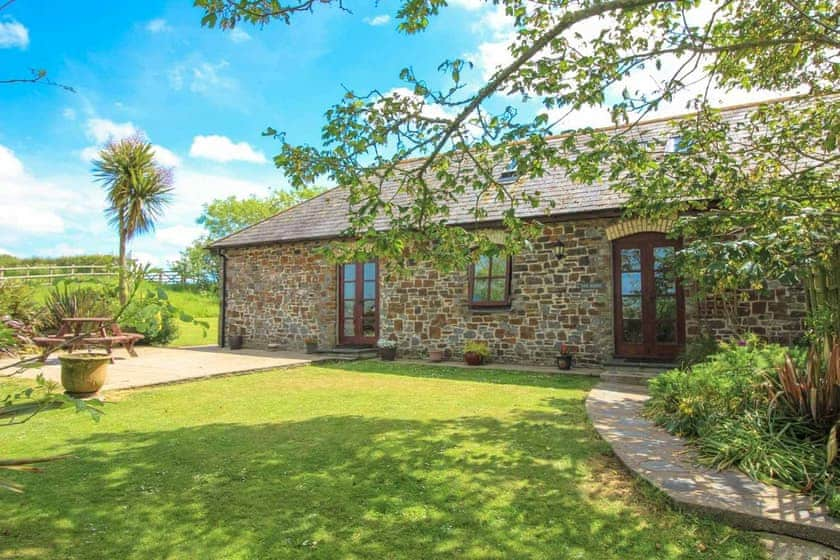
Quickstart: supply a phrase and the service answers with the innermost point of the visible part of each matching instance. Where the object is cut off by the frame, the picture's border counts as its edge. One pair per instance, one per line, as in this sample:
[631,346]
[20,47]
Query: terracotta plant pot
[564,361]
[311,347]
[435,355]
[83,375]
[388,354]
[473,358]
[235,341]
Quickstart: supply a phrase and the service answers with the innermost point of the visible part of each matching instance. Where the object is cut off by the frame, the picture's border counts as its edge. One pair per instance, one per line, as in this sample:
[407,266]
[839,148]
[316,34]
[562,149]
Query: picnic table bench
[96,334]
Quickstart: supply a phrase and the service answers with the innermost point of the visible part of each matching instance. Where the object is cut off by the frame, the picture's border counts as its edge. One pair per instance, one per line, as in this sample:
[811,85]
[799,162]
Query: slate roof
[326,216]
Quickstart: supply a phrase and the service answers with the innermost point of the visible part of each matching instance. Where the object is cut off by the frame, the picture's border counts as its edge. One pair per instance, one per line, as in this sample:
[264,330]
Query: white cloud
[378,20]
[62,250]
[10,166]
[4,251]
[158,25]
[29,205]
[222,149]
[104,130]
[239,36]
[13,34]
[178,235]
[165,157]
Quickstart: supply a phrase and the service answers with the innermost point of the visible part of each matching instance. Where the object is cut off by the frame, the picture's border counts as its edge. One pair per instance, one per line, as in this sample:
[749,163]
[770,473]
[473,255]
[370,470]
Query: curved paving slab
[668,463]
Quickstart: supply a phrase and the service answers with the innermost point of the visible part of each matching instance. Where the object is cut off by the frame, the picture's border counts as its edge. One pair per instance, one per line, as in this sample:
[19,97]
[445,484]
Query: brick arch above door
[633,226]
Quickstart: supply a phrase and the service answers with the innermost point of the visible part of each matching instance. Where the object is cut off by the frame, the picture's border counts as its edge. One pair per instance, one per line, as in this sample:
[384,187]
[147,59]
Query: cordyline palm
[137,188]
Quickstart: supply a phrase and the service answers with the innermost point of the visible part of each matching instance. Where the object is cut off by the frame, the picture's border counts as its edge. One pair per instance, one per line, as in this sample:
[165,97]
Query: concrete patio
[156,366]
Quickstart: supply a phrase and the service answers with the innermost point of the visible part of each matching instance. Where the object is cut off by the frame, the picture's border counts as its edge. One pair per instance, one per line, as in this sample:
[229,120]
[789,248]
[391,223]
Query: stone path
[666,462]
[156,366]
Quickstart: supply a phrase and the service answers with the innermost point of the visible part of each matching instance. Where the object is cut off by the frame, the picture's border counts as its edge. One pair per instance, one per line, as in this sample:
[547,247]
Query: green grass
[362,460]
[203,306]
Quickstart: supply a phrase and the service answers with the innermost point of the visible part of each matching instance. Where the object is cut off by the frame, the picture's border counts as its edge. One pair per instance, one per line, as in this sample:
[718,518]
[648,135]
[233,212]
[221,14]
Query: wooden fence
[48,273]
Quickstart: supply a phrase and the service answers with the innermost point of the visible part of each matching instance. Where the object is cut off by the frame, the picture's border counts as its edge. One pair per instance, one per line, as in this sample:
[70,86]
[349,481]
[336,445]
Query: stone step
[629,376]
[354,353]
[620,363]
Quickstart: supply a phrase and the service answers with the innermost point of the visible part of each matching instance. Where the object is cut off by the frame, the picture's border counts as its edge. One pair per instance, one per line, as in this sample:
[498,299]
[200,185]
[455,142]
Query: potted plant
[435,356]
[475,353]
[564,360]
[84,374]
[311,344]
[235,341]
[387,349]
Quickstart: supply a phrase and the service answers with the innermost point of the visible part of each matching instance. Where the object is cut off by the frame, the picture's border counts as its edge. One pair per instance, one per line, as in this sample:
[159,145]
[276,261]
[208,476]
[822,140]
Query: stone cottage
[594,281]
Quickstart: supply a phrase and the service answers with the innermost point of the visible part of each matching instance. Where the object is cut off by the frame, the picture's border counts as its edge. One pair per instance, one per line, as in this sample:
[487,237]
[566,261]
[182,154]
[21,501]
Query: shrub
[726,384]
[698,350]
[151,315]
[70,300]
[476,347]
[734,409]
[8,341]
[17,301]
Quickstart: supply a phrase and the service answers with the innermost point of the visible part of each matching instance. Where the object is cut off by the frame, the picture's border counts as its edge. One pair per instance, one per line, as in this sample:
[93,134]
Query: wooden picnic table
[75,325]
[93,332]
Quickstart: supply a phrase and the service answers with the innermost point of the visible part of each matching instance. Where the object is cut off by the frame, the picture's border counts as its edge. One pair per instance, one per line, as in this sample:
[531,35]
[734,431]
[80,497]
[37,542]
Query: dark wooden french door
[649,302]
[358,297]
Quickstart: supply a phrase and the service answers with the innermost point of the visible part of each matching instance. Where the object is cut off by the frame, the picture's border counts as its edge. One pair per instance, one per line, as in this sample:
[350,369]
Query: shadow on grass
[499,376]
[348,486]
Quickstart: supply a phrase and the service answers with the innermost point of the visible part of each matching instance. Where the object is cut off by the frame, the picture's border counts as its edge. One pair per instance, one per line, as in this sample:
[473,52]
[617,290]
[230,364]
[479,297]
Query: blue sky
[201,96]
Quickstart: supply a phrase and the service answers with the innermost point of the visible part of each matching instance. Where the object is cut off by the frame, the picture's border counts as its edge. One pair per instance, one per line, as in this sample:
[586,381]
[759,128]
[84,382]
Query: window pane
[349,290]
[631,307]
[370,271]
[480,290]
[368,307]
[500,267]
[349,272]
[482,267]
[666,308]
[497,290]
[348,308]
[369,290]
[349,328]
[631,260]
[632,331]
[631,283]
[666,331]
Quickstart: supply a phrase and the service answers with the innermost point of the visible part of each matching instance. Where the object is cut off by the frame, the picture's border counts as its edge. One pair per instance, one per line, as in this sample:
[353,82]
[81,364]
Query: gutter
[223,299]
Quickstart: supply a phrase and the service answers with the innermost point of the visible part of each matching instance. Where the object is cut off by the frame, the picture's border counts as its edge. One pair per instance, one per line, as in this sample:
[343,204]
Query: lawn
[203,306]
[361,460]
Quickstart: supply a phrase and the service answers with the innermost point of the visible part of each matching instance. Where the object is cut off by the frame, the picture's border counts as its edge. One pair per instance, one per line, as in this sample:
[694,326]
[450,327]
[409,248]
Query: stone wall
[552,302]
[280,294]
[775,313]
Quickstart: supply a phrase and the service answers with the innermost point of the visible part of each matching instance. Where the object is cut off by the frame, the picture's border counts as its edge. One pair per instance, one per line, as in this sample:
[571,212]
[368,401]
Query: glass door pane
[665,295]
[631,295]
[349,300]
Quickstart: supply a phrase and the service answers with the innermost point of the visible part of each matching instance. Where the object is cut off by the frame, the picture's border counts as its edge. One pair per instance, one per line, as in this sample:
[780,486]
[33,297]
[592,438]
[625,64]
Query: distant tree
[224,216]
[138,189]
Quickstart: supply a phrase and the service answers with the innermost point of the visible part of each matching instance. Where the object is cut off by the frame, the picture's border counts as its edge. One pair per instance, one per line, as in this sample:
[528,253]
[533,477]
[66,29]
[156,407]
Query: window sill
[490,308]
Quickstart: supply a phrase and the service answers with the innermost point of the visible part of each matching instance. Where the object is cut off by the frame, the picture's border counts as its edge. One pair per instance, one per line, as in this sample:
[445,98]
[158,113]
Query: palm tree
[137,190]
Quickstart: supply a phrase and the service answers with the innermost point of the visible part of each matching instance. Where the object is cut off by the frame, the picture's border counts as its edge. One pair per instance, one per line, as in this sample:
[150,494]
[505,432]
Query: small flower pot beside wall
[564,360]
[83,375]
[311,345]
[387,349]
[235,342]
[476,353]
[435,356]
